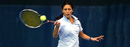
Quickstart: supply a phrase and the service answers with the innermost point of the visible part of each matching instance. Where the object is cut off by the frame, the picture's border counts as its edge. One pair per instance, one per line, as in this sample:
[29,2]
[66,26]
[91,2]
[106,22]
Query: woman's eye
[69,9]
[65,9]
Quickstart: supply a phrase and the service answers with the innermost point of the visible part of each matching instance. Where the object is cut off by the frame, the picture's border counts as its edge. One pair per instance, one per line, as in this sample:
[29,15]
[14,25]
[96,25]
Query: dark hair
[66,2]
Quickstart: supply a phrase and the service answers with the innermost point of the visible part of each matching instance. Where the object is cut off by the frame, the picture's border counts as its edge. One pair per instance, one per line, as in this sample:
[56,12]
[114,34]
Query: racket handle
[50,21]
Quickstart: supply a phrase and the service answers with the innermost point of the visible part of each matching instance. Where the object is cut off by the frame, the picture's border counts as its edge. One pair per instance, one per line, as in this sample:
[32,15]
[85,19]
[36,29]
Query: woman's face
[67,11]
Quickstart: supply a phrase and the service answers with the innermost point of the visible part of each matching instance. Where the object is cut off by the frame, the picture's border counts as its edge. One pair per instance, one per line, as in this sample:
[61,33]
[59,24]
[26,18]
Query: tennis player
[69,28]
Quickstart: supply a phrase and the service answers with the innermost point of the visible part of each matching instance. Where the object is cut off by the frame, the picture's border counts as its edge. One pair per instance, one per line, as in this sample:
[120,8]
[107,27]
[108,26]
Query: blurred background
[110,18]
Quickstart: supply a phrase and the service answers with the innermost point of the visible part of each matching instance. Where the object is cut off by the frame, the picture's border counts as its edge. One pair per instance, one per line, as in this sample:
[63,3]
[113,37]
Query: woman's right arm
[56,30]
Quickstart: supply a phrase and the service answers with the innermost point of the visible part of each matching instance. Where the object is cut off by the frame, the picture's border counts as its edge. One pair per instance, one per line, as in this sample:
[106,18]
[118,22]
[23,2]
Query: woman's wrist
[90,38]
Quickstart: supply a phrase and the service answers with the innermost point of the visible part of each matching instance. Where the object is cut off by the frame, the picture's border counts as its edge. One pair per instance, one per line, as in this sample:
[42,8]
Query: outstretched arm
[86,37]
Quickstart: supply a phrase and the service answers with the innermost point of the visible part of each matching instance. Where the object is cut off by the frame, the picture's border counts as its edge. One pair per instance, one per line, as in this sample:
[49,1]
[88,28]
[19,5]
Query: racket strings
[31,18]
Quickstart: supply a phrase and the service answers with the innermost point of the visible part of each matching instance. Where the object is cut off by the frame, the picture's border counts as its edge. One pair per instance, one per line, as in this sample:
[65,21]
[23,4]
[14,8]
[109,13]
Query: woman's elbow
[54,36]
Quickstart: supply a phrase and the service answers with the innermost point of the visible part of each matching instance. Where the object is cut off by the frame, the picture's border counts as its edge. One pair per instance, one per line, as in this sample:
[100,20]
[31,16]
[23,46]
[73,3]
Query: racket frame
[47,21]
[31,11]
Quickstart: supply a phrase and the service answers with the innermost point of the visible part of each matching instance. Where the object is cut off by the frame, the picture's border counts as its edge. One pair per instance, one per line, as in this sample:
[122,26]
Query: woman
[69,28]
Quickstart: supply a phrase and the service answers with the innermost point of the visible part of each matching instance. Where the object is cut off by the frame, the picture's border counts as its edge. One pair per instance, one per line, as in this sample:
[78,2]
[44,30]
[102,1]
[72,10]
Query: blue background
[112,21]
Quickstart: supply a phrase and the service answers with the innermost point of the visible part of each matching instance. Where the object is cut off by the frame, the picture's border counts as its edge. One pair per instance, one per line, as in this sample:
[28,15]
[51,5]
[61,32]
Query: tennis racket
[31,18]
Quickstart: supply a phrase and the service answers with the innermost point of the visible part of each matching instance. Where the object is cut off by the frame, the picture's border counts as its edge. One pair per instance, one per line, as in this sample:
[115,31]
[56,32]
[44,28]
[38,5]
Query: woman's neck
[71,20]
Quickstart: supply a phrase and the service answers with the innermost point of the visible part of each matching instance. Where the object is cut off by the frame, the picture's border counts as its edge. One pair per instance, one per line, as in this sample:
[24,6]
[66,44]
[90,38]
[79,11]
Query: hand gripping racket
[31,18]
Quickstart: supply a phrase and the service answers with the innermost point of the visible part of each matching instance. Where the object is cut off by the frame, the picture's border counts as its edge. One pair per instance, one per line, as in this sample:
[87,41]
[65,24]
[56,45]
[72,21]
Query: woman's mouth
[67,14]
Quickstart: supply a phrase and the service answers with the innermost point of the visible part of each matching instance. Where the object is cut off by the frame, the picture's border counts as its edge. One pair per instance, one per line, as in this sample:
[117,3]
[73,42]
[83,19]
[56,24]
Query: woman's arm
[56,30]
[86,37]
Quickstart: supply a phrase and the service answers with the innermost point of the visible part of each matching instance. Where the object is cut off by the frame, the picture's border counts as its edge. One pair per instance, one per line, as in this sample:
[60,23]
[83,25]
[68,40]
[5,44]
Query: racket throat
[50,21]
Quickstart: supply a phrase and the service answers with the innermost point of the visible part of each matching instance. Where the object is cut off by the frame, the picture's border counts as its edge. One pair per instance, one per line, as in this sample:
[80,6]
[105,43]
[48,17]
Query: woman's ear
[72,10]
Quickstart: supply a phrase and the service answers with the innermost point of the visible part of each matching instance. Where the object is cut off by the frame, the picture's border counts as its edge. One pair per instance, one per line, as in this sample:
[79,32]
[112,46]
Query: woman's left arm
[86,37]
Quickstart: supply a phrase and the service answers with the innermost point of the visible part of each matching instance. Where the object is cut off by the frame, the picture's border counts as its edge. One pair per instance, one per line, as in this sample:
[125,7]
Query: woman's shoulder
[78,22]
[61,19]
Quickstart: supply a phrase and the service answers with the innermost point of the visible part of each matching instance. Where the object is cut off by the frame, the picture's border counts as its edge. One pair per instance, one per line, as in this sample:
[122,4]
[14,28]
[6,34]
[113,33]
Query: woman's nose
[67,11]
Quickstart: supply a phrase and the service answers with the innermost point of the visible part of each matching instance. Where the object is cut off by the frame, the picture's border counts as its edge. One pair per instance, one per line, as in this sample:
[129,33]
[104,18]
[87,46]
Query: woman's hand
[57,23]
[97,38]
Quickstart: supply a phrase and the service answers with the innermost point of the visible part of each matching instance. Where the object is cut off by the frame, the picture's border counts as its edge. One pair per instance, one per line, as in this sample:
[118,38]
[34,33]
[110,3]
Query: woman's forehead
[67,6]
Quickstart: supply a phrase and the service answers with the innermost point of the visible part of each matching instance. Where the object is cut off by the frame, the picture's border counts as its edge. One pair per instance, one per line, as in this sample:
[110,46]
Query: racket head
[30,18]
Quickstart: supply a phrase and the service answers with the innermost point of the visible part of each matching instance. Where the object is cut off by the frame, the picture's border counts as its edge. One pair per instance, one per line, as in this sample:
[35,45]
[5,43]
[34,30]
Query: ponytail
[59,17]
